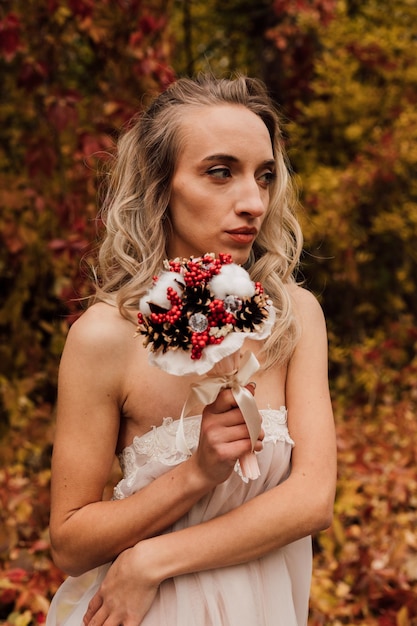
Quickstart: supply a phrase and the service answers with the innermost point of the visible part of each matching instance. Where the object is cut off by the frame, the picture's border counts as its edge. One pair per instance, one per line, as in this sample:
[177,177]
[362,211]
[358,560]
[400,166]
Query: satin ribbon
[207,390]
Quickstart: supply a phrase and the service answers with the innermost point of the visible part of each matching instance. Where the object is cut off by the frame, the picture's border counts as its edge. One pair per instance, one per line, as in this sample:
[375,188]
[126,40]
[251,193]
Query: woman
[185,541]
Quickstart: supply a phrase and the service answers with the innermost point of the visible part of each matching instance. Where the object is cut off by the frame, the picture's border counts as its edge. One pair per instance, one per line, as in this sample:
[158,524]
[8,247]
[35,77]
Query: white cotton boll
[158,294]
[232,280]
[144,307]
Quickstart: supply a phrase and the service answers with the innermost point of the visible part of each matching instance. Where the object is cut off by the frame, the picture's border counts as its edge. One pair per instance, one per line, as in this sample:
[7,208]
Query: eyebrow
[221,157]
[232,159]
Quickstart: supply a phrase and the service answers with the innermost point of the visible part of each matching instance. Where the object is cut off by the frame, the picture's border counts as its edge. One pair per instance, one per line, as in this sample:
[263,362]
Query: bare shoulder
[100,326]
[311,348]
[97,349]
[100,315]
[306,306]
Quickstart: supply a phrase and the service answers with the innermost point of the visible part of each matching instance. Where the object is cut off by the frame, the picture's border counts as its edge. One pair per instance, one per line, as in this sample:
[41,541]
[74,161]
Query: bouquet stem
[228,368]
[249,466]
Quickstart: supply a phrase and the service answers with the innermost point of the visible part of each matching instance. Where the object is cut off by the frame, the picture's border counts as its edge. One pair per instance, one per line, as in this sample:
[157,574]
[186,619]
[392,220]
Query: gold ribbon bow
[207,390]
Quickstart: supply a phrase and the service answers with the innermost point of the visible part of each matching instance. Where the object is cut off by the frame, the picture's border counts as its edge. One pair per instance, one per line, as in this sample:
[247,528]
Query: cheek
[181,199]
[185,208]
[184,216]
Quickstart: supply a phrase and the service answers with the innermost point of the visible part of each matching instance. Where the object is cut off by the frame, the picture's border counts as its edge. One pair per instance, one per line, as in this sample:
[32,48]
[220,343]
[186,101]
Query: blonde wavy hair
[136,214]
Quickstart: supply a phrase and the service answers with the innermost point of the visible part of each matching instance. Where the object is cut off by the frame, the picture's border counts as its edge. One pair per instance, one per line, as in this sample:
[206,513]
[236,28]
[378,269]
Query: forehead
[226,128]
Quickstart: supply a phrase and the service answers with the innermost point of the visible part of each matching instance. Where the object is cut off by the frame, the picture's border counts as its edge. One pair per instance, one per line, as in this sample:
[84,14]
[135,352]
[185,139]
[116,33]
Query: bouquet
[195,318]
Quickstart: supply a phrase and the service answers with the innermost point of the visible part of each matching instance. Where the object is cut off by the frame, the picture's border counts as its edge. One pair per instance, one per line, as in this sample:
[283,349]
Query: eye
[219,172]
[267,178]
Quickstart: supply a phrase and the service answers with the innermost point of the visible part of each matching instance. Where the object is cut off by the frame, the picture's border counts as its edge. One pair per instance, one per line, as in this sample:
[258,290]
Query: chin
[240,257]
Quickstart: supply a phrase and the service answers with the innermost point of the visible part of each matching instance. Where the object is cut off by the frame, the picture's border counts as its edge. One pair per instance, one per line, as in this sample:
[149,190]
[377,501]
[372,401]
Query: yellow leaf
[402,617]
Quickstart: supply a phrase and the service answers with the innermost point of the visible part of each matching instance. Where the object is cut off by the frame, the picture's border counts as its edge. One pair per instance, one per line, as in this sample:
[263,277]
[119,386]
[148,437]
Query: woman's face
[221,183]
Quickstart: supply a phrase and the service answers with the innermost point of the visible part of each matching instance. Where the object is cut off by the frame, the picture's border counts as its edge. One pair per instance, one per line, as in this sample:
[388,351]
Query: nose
[252,199]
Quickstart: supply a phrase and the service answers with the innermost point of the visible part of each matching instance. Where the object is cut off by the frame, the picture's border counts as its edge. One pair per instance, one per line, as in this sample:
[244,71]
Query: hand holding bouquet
[195,319]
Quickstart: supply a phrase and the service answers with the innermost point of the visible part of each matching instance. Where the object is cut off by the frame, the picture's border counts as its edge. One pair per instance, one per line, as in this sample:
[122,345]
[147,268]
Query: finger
[235,433]
[259,446]
[251,387]
[240,433]
[224,402]
[100,618]
[93,606]
[234,450]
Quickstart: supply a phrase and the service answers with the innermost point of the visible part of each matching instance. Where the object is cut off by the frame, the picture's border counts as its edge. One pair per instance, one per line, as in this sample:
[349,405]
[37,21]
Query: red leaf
[40,159]
[9,36]
[32,74]
[61,110]
[82,8]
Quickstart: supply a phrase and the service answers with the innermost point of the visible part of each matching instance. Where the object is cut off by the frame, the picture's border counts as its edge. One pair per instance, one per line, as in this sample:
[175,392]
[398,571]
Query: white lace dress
[270,591]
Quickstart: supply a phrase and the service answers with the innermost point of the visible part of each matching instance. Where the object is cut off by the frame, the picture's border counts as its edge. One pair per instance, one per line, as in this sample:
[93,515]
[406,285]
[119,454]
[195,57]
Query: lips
[243,235]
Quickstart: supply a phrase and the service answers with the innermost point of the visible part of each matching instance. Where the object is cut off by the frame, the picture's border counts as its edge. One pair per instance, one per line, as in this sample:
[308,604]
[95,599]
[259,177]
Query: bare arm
[86,531]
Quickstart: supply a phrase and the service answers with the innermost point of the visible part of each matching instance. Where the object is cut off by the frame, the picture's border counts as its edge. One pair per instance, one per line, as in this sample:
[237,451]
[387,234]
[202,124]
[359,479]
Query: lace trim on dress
[274,423]
[159,443]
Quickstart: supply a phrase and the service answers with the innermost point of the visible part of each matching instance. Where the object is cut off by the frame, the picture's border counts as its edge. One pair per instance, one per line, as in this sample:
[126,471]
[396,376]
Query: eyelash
[267,178]
[219,170]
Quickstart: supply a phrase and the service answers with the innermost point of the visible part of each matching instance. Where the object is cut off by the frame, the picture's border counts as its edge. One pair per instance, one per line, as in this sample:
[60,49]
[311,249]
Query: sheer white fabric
[270,591]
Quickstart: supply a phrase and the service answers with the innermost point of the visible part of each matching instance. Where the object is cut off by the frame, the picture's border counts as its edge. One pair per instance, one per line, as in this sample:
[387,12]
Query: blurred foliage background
[344,73]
